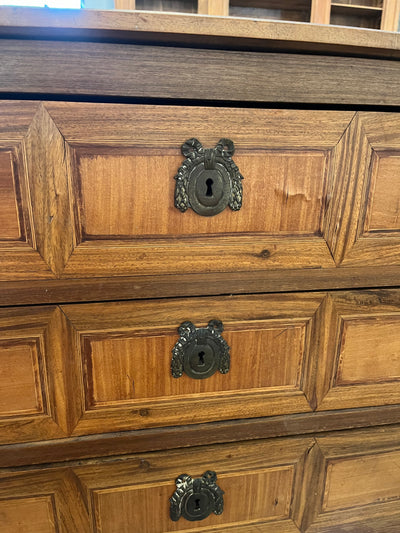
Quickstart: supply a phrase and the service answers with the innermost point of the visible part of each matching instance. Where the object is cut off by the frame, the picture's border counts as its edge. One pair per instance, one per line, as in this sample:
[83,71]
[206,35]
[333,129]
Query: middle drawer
[94,368]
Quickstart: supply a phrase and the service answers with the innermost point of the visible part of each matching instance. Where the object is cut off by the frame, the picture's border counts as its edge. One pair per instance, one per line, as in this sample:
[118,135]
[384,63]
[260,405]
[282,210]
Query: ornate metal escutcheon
[208,180]
[200,352]
[195,499]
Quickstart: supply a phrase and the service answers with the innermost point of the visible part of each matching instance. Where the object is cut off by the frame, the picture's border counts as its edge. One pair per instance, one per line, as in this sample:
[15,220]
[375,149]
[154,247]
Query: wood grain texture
[126,361]
[260,475]
[48,501]
[47,158]
[99,69]
[142,287]
[218,8]
[350,371]
[383,207]
[106,366]
[20,388]
[373,202]
[19,257]
[28,514]
[139,441]
[284,193]
[320,11]
[9,222]
[322,197]
[184,29]
[269,496]
[115,367]
[390,15]
[295,208]
[375,477]
[360,490]
[38,380]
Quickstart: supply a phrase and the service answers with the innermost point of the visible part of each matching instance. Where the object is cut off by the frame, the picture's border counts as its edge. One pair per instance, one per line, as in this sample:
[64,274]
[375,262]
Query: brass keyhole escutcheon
[208,180]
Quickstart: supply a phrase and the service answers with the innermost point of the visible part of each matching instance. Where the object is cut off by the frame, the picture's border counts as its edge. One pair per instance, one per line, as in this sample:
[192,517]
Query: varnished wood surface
[143,287]
[342,481]
[314,191]
[139,441]
[90,69]
[195,29]
[105,367]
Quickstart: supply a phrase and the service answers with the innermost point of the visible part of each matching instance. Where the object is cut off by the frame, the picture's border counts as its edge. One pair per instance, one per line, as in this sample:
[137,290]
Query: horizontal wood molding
[92,69]
[140,287]
[195,29]
[139,441]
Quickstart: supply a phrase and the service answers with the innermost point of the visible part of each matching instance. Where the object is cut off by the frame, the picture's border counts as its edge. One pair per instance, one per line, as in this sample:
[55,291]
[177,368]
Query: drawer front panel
[357,482]
[260,481]
[360,363]
[125,352]
[96,368]
[344,481]
[87,190]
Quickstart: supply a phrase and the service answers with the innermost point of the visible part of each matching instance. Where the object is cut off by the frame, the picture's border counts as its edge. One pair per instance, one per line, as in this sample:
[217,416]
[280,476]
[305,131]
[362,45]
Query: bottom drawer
[345,481]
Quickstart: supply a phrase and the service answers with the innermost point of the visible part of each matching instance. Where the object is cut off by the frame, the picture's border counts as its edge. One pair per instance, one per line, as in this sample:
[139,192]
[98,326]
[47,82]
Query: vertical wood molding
[48,163]
[213,7]
[125,4]
[350,163]
[320,11]
[65,371]
[390,15]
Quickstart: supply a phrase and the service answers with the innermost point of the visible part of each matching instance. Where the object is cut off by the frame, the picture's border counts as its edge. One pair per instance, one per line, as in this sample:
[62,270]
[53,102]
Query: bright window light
[72,4]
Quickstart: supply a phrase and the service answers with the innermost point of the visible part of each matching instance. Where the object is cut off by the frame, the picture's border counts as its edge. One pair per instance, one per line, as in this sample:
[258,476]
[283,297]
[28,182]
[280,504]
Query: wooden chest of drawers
[113,301]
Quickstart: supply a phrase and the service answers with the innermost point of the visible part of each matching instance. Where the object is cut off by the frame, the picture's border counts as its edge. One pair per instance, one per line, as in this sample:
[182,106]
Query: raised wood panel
[369,350]
[126,351]
[128,196]
[19,258]
[383,208]
[258,479]
[20,382]
[48,166]
[358,482]
[362,481]
[42,501]
[138,367]
[35,515]
[9,219]
[359,365]
[373,238]
[37,378]
[269,494]
[125,163]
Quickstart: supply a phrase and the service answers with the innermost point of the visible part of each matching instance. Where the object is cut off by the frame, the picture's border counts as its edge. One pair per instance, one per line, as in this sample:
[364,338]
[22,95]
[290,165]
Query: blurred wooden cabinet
[378,14]
[110,294]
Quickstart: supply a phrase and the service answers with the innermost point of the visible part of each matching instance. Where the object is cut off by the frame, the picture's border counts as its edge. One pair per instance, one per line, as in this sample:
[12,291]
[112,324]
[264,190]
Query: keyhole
[197,503]
[201,362]
[209,183]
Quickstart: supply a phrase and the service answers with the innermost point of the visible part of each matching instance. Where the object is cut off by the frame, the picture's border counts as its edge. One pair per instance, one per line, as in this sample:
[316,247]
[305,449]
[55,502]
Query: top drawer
[87,190]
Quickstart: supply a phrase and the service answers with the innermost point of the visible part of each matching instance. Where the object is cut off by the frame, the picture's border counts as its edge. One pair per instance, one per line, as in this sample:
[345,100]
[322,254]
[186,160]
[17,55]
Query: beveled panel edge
[181,29]
[13,293]
[138,441]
